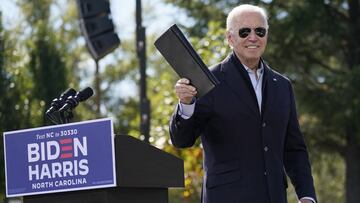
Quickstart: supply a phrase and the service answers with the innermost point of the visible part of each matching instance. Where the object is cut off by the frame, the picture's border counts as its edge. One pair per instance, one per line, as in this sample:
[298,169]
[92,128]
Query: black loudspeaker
[97,27]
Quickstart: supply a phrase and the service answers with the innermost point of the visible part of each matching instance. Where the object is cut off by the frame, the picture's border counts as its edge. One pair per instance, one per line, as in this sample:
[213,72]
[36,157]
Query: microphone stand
[66,116]
[65,112]
[52,118]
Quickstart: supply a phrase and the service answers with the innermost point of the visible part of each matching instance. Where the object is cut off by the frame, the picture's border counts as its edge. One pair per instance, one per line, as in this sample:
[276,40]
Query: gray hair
[245,7]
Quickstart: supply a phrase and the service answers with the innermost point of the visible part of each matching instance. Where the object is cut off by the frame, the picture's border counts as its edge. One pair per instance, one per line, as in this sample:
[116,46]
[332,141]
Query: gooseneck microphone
[72,101]
[57,103]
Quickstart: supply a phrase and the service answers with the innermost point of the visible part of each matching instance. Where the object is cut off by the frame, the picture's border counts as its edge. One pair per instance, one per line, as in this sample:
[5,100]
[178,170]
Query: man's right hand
[184,91]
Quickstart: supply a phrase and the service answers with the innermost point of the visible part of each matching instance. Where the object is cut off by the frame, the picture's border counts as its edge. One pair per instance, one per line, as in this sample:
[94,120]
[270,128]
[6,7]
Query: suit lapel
[237,83]
[270,81]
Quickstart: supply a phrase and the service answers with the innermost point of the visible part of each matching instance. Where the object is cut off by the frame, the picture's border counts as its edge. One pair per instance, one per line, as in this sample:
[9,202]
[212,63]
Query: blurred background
[314,43]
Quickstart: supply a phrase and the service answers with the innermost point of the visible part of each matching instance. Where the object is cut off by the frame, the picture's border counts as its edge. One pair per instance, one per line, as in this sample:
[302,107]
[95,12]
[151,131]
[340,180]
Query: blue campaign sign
[76,156]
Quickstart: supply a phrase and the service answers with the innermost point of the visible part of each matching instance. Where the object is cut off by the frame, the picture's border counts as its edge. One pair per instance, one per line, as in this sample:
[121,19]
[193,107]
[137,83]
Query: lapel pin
[274,79]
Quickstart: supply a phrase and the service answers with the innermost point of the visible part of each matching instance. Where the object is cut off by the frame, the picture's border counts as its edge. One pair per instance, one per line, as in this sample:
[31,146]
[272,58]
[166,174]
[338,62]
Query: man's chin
[252,58]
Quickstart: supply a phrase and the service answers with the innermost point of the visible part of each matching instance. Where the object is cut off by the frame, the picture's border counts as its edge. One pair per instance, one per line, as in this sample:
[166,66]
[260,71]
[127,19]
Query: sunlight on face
[250,48]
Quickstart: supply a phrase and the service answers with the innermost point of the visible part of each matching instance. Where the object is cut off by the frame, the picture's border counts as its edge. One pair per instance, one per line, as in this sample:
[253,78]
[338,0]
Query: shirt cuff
[186,110]
[308,198]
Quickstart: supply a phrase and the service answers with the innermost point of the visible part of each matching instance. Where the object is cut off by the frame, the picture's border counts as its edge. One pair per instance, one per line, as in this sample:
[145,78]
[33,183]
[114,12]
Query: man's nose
[252,36]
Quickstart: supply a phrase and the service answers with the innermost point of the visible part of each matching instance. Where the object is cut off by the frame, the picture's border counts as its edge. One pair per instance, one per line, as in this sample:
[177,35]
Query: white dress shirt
[256,77]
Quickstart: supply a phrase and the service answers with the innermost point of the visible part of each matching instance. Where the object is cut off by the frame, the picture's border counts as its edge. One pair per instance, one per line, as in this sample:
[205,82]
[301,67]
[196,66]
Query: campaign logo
[60,158]
[58,152]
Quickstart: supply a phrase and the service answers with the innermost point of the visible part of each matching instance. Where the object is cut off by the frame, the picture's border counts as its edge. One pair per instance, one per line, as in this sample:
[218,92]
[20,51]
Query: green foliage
[213,46]
[30,60]
[46,67]
[125,111]
[13,104]
[316,44]
[202,12]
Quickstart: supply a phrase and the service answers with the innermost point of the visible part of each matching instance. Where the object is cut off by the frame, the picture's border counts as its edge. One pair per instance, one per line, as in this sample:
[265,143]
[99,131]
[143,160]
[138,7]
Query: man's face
[250,48]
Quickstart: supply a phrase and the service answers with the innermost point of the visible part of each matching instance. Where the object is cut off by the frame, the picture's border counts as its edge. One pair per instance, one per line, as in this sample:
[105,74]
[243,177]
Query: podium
[143,174]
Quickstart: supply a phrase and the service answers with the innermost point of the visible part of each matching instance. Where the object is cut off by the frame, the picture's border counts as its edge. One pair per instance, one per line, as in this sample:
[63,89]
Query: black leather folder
[179,53]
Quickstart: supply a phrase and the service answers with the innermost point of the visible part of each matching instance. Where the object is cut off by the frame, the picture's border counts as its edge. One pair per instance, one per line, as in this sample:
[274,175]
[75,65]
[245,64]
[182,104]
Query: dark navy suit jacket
[247,154]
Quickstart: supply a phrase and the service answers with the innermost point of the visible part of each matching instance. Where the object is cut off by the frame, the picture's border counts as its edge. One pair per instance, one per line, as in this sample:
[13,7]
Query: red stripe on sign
[66,155]
[66,141]
[66,148]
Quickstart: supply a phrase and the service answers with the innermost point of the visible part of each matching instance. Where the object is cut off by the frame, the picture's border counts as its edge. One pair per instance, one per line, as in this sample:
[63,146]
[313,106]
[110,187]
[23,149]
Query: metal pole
[141,52]
[97,88]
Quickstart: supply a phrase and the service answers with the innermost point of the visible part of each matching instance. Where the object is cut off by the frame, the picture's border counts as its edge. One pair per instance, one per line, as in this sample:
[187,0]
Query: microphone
[57,103]
[73,101]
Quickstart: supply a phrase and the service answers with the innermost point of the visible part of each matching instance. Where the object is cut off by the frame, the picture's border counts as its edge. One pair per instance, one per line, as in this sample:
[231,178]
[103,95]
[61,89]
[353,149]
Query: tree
[13,103]
[325,78]
[34,54]
[46,64]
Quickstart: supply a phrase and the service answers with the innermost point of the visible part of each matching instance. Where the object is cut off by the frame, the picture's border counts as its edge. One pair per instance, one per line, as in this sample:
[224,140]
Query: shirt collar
[259,70]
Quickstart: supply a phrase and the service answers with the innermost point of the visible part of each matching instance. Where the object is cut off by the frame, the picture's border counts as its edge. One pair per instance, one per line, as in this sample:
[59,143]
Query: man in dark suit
[248,124]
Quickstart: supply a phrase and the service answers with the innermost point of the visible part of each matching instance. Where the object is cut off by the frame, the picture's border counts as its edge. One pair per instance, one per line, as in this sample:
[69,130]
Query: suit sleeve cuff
[186,110]
[309,198]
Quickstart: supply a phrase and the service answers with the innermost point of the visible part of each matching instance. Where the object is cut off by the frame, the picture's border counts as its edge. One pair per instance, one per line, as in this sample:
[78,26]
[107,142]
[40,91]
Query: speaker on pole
[97,27]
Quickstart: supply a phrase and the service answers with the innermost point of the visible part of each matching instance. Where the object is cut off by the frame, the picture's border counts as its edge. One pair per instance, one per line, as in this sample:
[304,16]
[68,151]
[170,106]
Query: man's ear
[229,38]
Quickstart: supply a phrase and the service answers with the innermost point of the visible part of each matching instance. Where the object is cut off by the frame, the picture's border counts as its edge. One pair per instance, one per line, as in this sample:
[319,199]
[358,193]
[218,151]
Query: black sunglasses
[259,31]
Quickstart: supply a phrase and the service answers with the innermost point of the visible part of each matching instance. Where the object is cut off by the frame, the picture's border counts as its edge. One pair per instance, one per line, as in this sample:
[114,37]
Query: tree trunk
[352,154]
